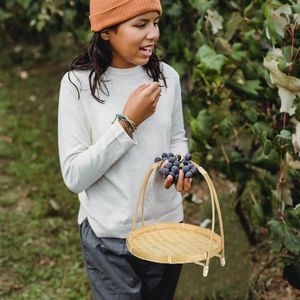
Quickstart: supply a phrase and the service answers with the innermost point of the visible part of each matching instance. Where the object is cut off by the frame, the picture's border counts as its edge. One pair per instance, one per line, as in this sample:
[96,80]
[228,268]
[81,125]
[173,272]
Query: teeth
[147,48]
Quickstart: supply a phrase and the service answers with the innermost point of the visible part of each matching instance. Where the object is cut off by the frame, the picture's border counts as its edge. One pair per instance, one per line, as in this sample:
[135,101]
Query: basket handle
[213,196]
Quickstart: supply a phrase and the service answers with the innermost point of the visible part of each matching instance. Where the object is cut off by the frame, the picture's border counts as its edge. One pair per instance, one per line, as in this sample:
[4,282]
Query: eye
[156,23]
[141,25]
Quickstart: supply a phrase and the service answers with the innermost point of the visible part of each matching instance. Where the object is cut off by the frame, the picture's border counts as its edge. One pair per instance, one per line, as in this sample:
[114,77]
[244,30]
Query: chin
[142,62]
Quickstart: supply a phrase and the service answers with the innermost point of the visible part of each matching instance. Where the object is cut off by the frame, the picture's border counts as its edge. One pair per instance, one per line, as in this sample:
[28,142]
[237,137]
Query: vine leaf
[276,232]
[297,19]
[233,25]
[288,86]
[215,20]
[291,241]
[209,59]
[284,9]
[279,23]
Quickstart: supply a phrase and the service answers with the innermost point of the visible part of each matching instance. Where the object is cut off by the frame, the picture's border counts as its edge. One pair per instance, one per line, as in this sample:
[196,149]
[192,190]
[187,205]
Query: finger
[186,184]
[179,185]
[153,86]
[168,182]
[143,86]
[156,96]
[156,100]
[157,93]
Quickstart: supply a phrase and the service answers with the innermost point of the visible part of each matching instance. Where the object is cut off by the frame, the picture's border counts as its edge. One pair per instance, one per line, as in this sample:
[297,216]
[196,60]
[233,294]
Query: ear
[105,35]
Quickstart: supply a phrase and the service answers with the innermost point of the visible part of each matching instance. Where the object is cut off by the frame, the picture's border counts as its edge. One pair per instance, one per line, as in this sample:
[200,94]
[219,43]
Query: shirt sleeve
[178,143]
[83,163]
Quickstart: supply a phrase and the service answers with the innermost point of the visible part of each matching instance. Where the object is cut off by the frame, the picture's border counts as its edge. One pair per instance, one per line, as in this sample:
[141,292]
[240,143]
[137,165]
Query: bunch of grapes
[176,163]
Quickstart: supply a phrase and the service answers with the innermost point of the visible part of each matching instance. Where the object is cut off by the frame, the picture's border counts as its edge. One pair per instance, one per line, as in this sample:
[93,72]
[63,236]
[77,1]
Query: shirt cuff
[121,135]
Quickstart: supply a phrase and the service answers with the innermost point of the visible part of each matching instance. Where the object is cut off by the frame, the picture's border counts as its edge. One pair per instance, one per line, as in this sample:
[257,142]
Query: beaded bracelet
[126,120]
[127,128]
[130,125]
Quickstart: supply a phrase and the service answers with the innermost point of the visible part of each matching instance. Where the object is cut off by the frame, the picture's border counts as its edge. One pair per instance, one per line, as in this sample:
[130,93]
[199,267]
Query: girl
[119,108]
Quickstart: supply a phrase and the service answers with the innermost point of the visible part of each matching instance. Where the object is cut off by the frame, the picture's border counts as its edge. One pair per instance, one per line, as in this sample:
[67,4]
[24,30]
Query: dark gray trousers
[115,274]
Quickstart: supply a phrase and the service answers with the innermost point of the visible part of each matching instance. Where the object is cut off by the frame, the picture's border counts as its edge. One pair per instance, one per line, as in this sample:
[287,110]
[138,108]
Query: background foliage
[234,113]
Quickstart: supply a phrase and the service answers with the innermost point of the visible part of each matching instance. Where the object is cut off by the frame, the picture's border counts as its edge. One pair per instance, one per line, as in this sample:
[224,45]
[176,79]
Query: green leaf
[267,11]
[253,85]
[5,15]
[209,59]
[237,53]
[270,31]
[296,8]
[215,20]
[291,241]
[297,18]
[233,25]
[294,217]
[262,130]
[268,162]
[267,147]
[251,114]
[200,5]
[280,24]
[284,9]
[257,213]
[285,134]
[201,126]
[276,231]
[175,10]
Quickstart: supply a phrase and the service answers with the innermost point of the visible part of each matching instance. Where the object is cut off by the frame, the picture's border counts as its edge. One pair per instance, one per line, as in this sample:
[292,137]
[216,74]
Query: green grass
[40,250]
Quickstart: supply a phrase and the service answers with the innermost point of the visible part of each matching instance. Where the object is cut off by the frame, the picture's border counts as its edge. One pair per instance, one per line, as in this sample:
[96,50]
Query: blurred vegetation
[240,122]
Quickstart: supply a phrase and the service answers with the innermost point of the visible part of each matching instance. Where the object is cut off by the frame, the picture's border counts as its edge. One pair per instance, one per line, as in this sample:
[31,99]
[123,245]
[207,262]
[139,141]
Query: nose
[153,33]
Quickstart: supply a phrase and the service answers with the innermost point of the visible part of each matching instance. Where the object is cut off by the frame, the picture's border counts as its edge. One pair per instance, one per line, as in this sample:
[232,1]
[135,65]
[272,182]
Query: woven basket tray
[177,243]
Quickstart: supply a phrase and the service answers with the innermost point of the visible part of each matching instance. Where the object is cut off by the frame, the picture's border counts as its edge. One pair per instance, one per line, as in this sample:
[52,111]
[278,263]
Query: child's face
[128,42]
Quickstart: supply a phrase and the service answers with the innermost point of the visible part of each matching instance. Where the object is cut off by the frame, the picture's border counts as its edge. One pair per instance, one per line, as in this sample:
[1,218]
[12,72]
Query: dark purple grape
[190,165]
[172,159]
[170,154]
[194,170]
[176,177]
[157,159]
[172,174]
[188,156]
[185,162]
[176,163]
[185,169]
[161,171]
[169,165]
[164,155]
[166,172]
[175,169]
[188,174]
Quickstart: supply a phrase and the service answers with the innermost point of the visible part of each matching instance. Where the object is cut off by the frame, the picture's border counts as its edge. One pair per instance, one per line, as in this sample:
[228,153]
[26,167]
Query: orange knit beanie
[106,13]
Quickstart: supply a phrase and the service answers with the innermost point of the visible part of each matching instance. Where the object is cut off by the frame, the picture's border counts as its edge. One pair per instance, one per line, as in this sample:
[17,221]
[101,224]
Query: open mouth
[147,51]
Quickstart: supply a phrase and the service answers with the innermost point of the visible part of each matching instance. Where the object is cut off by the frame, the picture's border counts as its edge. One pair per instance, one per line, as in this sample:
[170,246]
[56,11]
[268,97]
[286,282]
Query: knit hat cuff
[122,12]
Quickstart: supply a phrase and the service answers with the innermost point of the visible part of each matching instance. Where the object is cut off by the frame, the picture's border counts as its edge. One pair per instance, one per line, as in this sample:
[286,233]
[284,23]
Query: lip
[148,52]
[151,45]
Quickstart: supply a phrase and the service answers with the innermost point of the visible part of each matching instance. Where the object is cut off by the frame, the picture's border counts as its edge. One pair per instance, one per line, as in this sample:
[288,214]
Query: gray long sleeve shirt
[101,163]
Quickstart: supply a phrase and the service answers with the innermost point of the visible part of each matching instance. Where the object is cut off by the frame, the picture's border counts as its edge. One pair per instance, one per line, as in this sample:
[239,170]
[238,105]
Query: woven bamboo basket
[177,243]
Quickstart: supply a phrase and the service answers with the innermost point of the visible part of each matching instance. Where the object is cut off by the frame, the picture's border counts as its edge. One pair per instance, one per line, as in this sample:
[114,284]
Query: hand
[183,184]
[141,104]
